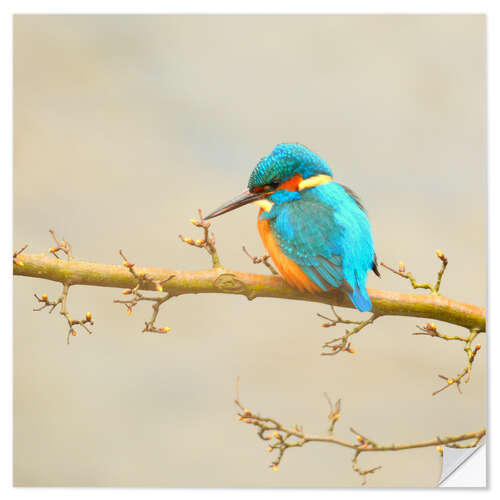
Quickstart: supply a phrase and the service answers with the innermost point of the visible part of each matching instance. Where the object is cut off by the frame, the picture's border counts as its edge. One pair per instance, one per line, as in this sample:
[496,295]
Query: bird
[315,230]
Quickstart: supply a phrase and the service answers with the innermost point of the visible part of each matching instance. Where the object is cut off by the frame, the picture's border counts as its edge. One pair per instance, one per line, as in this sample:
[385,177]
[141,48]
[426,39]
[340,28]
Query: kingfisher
[315,230]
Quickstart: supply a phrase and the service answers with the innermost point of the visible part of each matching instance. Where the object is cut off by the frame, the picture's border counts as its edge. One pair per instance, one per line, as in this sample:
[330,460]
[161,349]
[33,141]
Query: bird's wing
[307,233]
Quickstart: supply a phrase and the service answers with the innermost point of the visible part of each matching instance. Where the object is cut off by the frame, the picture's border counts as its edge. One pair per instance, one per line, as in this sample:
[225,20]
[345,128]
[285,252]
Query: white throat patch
[266,205]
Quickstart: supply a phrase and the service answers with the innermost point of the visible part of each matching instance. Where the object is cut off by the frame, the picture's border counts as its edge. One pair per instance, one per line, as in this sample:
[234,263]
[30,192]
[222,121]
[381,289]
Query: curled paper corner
[463,468]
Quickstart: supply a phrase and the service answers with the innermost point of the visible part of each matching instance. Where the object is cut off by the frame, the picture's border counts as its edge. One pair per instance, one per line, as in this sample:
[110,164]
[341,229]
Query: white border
[491,8]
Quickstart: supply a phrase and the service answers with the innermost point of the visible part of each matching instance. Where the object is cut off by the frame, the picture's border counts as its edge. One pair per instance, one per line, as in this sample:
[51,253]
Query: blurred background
[125,125]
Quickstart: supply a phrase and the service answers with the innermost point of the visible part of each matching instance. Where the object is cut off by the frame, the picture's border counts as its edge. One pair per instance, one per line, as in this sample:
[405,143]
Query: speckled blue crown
[284,162]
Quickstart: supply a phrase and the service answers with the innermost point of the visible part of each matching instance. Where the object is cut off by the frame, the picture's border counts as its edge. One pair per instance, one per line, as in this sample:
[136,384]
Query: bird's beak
[242,199]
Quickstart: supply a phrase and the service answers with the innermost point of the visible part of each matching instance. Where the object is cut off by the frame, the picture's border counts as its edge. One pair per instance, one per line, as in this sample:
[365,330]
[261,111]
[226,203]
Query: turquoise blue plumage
[316,223]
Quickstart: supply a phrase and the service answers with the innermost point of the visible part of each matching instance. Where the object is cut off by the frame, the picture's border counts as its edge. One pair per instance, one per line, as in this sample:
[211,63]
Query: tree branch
[222,280]
[281,438]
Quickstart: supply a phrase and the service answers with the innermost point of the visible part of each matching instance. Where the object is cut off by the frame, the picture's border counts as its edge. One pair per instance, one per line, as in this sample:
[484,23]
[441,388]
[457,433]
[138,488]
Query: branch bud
[478,346]
[450,381]
[88,316]
[44,296]
[275,468]
[195,222]
[127,291]
[431,327]
[441,256]
[402,267]
[165,329]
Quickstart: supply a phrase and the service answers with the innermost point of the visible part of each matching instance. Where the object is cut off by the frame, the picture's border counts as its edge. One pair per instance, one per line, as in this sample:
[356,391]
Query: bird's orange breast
[290,270]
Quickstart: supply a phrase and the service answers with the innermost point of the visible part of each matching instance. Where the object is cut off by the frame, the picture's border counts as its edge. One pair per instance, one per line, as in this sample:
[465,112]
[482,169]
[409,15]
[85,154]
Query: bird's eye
[273,185]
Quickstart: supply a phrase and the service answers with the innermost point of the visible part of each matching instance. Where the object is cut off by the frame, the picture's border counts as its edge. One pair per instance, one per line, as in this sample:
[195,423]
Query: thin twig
[334,414]
[261,260]
[434,289]
[207,242]
[15,256]
[143,278]
[466,372]
[61,246]
[280,438]
[342,344]
[63,301]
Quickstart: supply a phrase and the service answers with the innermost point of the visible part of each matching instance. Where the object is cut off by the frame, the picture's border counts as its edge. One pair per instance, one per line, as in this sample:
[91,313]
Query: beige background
[125,125]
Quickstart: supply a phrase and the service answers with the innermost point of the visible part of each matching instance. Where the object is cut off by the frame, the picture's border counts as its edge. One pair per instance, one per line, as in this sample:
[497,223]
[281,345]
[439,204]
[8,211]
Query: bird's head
[279,177]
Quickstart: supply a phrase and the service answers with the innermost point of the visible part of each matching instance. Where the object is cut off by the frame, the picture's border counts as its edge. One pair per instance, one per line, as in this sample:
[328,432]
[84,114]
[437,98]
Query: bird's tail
[360,299]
